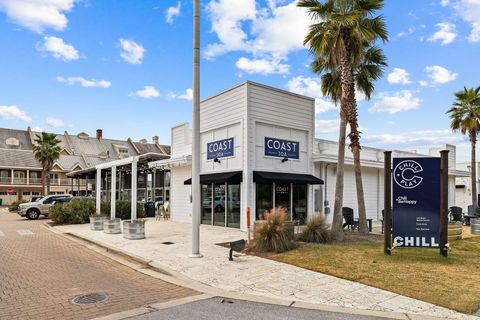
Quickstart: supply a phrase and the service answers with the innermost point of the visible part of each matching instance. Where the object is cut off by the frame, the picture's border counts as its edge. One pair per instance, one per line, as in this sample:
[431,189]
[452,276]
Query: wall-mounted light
[217,160]
[284,160]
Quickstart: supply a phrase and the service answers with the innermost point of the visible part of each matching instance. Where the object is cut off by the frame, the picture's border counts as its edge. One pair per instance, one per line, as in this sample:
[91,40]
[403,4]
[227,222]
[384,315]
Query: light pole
[196,203]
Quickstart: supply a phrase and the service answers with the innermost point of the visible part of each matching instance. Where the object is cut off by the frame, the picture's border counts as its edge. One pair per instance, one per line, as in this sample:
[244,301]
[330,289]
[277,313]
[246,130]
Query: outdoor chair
[166,209]
[456,214]
[472,213]
[348,217]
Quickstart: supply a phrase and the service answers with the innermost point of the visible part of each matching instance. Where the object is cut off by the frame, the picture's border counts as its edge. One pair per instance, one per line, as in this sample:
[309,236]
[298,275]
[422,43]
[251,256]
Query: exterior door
[206,203]
[233,205]
[282,195]
[219,205]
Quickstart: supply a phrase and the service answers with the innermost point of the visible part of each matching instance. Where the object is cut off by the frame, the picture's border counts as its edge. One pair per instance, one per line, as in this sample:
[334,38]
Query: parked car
[33,210]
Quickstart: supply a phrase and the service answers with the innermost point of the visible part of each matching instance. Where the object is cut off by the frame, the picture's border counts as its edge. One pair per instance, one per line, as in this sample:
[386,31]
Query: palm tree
[368,69]
[465,116]
[341,30]
[46,150]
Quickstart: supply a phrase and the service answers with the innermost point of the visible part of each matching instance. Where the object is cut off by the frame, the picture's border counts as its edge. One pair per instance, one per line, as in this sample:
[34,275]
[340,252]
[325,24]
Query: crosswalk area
[18,232]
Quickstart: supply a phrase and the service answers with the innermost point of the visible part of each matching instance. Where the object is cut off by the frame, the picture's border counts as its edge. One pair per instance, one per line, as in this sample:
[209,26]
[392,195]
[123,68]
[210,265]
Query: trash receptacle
[1,202]
[150,209]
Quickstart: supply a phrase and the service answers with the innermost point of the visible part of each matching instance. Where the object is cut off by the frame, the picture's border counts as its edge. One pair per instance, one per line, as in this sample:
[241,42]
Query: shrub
[122,209]
[14,205]
[272,236]
[316,230]
[73,212]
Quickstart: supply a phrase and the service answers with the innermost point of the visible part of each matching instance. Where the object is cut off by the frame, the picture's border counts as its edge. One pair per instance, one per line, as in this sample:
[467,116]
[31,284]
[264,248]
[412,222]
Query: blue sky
[125,66]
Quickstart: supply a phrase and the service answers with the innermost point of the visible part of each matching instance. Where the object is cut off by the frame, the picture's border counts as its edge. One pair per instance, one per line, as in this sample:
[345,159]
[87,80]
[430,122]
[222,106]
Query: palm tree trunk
[473,164]
[337,224]
[356,147]
[48,182]
[43,183]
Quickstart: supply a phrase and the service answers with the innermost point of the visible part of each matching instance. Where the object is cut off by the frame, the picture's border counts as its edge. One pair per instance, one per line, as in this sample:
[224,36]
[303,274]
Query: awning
[269,177]
[234,177]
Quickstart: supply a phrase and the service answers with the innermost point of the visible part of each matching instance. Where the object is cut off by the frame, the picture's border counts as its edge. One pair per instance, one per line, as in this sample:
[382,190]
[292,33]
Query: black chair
[456,214]
[349,219]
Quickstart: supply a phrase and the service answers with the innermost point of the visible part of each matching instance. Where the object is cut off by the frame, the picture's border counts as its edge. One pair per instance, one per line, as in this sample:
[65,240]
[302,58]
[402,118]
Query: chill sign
[220,149]
[416,202]
[282,148]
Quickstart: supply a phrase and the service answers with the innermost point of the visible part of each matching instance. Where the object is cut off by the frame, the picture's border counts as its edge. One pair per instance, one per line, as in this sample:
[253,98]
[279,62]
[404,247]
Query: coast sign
[220,149]
[416,202]
[282,148]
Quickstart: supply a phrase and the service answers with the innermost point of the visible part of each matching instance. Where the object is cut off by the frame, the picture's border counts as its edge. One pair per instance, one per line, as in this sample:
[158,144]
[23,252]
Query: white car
[33,210]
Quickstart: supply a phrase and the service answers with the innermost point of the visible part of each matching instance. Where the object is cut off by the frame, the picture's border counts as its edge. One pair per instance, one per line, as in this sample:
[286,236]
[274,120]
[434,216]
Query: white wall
[226,164]
[180,205]
[181,140]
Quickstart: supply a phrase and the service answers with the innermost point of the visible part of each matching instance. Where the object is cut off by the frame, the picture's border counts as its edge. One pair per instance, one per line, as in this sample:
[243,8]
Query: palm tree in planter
[46,149]
[465,116]
[368,68]
[341,30]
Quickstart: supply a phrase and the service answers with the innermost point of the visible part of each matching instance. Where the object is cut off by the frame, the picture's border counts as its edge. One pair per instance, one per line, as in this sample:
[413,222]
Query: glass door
[219,205]
[300,203]
[233,205]
[282,196]
[206,203]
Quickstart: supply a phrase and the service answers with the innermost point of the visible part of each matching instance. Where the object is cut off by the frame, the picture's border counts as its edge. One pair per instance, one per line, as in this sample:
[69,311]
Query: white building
[258,151]
[463,188]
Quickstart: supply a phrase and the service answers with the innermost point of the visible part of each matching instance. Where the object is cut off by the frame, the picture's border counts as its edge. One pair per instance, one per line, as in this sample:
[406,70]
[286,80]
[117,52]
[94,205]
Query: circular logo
[407,174]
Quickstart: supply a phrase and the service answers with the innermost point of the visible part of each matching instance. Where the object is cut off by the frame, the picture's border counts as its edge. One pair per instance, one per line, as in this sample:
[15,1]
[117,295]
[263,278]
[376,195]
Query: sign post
[444,203]
[387,211]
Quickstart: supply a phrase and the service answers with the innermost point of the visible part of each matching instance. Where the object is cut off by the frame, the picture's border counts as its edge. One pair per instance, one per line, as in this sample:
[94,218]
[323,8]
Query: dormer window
[12,142]
[83,136]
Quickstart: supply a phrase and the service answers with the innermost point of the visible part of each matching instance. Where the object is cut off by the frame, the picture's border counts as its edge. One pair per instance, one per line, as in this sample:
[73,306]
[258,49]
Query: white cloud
[439,74]
[14,112]
[132,52]
[263,66]
[399,76]
[446,33]
[148,92]
[444,3]
[410,31]
[85,82]
[239,25]
[469,11]
[37,129]
[172,12]
[56,123]
[415,138]
[312,88]
[188,95]
[38,15]
[58,49]
[326,126]
[423,83]
[397,102]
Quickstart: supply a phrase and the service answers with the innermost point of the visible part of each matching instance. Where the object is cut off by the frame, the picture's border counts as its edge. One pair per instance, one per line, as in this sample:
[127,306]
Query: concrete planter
[134,230]
[112,226]
[475,225]
[455,230]
[96,223]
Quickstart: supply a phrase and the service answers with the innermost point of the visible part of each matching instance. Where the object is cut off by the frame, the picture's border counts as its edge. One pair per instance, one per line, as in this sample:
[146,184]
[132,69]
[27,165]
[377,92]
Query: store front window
[287,195]
[221,205]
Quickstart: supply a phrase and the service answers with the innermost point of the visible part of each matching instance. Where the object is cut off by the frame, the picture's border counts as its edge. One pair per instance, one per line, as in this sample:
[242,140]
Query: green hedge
[73,212]
[14,205]
[122,209]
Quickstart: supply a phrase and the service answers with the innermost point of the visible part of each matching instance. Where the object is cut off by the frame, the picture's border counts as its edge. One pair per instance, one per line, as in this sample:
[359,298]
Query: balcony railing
[38,181]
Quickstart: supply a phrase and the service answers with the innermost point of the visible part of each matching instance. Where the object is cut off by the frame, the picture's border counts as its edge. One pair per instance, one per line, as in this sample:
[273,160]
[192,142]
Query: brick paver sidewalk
[41,271]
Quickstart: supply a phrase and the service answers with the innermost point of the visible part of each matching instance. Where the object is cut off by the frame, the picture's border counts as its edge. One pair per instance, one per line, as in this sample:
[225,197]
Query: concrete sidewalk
[251,275]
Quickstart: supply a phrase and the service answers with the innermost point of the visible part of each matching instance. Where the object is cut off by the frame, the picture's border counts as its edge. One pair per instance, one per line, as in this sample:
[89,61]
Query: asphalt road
[215,309]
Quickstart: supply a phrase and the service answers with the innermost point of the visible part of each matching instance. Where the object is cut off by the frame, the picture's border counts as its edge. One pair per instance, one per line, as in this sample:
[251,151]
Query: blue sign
[220,149]
[282,148]
[416,202]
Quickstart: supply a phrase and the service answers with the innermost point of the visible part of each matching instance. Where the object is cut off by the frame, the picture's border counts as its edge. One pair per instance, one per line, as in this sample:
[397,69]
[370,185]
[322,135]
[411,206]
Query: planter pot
[475,225]
[96,223]
[455,230]
[112,226]
[134,230]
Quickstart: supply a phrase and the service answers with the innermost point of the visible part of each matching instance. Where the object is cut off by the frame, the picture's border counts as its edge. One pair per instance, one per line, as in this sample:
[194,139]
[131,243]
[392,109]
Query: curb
[153,269]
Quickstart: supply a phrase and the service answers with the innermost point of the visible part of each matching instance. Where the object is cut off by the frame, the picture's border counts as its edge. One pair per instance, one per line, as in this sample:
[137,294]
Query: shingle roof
[18,158]
[21,135]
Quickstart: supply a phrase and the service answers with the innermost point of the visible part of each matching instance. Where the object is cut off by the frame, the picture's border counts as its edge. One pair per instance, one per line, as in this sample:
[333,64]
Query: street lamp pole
[196,203]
